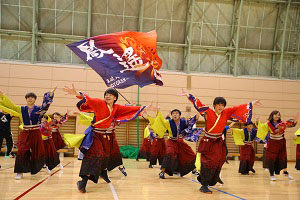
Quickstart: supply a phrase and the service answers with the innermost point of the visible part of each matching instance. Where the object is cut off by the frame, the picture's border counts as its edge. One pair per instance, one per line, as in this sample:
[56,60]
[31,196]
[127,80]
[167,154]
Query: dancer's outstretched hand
[183,93]
[257,103]
[297,116]
[70,91]
[144,112]
[158,107]
[155,108]
[148,107]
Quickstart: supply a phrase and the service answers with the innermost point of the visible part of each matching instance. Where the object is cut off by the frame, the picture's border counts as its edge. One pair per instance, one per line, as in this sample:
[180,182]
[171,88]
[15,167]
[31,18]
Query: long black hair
[274,112]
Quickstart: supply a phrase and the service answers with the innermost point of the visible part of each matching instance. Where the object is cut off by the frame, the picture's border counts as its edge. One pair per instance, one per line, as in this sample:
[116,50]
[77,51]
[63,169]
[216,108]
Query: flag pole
[138,120]
[138,103]
[123,96]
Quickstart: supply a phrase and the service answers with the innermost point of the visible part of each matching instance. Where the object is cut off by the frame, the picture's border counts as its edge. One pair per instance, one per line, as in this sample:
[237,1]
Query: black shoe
[245,173]
[150,166]
[137,159]
[12,155]
[205,189]
[195,172]
[105,176]
[162,175]
[252,170]
[81,187]
[123,170]
[220,181]
[227,161]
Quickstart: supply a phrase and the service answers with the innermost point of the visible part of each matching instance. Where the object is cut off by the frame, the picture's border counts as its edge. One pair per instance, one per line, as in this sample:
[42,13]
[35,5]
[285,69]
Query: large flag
[122,59]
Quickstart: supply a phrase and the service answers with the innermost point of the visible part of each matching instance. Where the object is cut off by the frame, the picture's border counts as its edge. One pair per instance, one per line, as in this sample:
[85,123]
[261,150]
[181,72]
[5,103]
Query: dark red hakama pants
[247,158]
[104,153]
[157,151]
[30,156]
[276,155]
[213,156]
[57,139]
[145,149]
[264,159]
[51,156]
[298,157]
[179,157]
[112,151]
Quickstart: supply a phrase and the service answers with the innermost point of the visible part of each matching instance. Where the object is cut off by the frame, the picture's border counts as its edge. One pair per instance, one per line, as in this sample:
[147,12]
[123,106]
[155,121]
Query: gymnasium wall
[16,79]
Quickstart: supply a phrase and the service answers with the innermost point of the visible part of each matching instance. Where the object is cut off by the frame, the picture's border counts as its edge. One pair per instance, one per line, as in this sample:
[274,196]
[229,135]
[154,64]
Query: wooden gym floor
[143,183]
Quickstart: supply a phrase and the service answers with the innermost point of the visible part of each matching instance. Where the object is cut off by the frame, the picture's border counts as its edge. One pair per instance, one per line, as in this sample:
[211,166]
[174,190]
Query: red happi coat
[241,112]
[106,115]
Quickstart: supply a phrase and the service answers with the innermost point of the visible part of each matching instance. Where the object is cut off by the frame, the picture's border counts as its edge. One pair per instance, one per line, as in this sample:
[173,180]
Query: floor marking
[219,190]
[212,188]
[39,183]
[113,191]
[2,169]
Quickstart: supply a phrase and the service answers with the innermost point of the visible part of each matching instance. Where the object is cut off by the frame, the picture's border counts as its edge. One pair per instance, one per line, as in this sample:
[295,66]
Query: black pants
[9,141]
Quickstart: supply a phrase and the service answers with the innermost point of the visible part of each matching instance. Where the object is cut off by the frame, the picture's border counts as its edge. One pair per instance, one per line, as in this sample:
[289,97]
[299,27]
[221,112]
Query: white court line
[113,191]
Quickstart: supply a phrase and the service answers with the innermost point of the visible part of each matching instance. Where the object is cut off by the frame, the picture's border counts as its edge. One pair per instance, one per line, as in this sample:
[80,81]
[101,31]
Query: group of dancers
[40,138]
[37,144]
